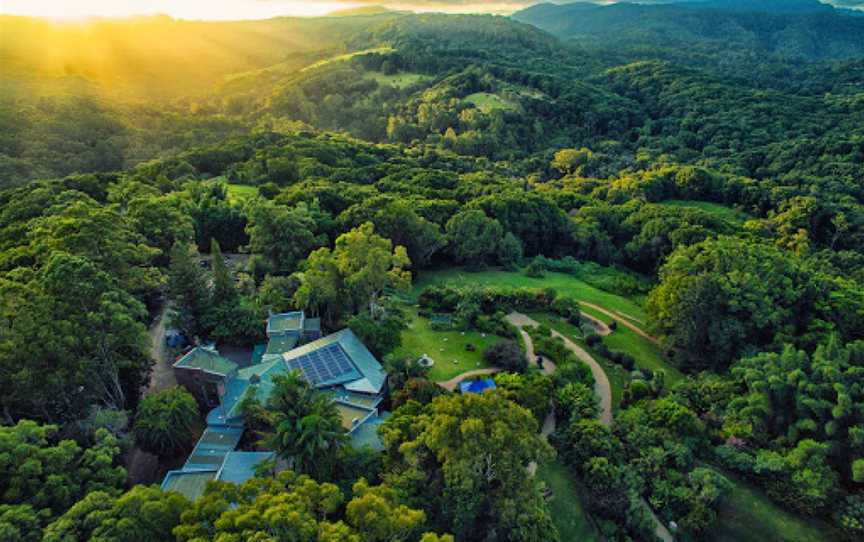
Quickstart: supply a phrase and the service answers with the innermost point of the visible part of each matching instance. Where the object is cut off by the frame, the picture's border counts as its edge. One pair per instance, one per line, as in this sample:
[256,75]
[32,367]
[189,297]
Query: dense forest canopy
[695,167]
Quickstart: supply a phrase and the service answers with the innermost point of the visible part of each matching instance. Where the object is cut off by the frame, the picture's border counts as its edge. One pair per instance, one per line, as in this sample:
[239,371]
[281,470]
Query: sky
[236,9]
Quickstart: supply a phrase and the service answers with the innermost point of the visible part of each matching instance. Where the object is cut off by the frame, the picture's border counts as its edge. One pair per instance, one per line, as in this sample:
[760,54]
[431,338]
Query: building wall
[204,386]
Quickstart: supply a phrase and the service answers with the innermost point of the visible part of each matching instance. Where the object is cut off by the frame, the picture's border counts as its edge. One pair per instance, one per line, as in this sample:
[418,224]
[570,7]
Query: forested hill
[805,29]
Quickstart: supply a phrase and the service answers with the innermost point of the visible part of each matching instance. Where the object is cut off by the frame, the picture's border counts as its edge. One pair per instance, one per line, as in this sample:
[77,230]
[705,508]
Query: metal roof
[206,360]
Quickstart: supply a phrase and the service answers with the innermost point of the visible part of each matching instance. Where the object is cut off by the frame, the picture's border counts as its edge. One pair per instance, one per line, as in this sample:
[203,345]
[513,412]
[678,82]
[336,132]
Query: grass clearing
[568,513]
[566,285]
[397,80]
[347,56]
[443,347]
[748,515]
[486,102]
[726,213]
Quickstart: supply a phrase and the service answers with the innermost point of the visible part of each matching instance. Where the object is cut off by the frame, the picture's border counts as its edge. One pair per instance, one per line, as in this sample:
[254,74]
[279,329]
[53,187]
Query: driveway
[162,375]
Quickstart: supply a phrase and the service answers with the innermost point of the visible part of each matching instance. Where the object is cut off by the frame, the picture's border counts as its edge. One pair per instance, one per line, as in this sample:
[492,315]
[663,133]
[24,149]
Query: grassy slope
[564,284]
[568,514]
[646,354]
[421,339]
[750,516]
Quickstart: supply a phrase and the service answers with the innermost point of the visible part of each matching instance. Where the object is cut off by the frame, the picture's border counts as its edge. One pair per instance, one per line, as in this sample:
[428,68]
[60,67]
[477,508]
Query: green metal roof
[206,360]
[279,344]
[190,484]
[285,322]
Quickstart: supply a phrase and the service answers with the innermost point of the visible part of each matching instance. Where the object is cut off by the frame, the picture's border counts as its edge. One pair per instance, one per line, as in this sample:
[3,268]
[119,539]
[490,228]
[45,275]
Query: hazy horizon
[227,10]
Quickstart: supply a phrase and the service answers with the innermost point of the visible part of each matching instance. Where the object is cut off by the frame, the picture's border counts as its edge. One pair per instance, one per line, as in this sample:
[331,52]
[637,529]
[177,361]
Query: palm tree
[308,428]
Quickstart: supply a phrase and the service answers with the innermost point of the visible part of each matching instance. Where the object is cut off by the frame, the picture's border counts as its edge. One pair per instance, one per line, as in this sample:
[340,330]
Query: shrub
[592,339]
[535,269]
[613,325]
[506,355]
[470,347]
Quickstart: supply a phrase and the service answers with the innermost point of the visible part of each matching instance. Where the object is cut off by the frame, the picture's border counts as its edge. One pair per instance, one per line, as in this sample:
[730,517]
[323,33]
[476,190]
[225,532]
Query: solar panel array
[323,365]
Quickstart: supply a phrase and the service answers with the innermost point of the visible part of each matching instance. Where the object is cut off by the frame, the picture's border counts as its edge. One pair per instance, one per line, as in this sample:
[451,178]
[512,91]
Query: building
[338,365]
[202,371]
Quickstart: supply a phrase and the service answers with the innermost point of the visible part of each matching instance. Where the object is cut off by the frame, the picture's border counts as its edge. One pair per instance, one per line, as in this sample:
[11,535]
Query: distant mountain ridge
[805,29]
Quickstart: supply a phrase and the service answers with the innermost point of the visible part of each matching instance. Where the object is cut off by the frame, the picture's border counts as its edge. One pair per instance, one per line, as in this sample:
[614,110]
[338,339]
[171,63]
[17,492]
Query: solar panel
[323,365]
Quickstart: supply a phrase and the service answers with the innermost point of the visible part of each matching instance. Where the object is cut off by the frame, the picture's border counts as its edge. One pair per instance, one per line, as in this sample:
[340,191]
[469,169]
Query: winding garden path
[601,381]
[621,320]
[601,386]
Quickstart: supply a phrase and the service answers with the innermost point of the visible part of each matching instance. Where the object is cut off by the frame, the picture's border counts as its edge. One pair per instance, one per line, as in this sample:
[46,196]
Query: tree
[474,237]
[463,458]
[353,275]
[189,291]
[163,222]
[296,507]
[49,474]
[510,251]
[224,291]
[507,355]
[72,339]
[398,221]
[308,430]
[720,297]
[382,335]
[142,514]
[283,235]
[165,422]
[570,161]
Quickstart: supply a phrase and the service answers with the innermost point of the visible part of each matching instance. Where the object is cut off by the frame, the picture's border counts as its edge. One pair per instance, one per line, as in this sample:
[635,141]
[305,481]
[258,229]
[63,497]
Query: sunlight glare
[180,9]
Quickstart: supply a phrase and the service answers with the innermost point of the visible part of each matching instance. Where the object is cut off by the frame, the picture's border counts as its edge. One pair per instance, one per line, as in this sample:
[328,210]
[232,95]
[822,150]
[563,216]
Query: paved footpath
[601,387]
[601,381]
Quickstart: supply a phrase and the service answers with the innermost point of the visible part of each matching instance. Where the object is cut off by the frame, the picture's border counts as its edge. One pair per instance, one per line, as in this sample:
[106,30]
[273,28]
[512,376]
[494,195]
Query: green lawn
[566,285]
[484,101]
[421,339]
[568,514]
[726,213]
[750,516]
[398,80]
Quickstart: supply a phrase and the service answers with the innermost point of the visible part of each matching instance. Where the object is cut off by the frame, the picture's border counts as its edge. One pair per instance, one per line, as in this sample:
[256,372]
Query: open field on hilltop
[568,514]
[727,213]
[443,347]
